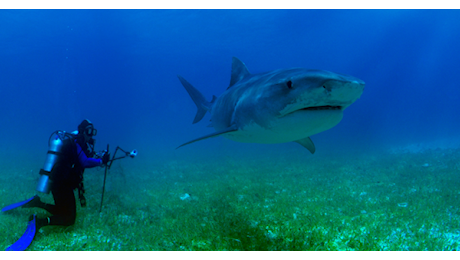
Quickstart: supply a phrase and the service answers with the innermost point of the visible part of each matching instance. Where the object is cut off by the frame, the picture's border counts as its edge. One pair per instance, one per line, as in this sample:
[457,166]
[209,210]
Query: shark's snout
[358,82]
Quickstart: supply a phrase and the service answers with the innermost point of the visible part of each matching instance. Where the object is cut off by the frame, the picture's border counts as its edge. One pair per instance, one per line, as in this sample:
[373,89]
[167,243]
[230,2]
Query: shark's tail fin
[202,105]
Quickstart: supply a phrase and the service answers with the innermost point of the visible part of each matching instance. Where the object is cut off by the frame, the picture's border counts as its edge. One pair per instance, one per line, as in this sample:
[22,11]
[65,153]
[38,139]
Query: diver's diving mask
[90,131]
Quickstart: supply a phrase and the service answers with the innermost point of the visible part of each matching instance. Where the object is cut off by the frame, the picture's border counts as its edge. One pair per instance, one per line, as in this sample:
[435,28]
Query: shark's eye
[289,84]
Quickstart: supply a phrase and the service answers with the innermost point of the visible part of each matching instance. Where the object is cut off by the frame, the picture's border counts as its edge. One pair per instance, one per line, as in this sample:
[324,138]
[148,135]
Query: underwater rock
[403,204]
[186,196]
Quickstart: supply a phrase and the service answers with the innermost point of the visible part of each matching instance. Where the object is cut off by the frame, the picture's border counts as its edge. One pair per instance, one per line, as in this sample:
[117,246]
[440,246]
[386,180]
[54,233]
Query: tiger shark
[279,106]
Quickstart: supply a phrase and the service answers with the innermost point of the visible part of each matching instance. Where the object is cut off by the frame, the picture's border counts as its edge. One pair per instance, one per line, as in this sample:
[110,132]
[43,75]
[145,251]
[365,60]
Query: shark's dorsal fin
[232,128]
[307,143]
[239,71]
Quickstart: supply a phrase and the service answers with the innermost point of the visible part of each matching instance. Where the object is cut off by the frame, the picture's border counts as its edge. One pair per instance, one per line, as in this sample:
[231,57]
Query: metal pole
[103,186]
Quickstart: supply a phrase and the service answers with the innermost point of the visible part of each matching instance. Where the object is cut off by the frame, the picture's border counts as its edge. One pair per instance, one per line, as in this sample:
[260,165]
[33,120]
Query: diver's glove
[105,158]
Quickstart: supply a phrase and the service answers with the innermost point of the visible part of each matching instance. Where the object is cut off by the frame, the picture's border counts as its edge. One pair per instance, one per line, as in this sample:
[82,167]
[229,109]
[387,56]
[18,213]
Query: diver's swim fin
[16,205]
[26,239]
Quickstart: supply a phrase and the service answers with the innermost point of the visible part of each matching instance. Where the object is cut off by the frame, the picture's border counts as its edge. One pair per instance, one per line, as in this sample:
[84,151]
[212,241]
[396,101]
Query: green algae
[393,201]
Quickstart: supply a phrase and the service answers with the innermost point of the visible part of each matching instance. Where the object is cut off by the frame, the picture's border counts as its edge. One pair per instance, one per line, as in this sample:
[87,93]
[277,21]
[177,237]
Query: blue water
[118,68]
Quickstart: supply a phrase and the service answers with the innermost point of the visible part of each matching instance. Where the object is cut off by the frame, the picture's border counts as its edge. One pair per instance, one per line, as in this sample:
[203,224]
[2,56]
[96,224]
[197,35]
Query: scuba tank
[55,144]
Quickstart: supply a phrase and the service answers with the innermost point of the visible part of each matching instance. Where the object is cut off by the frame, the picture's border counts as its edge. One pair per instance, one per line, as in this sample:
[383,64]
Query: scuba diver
[76,153]
[68,156]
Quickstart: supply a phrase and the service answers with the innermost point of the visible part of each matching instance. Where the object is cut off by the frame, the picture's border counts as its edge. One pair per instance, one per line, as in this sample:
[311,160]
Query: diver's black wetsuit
[67,176]
[64,209]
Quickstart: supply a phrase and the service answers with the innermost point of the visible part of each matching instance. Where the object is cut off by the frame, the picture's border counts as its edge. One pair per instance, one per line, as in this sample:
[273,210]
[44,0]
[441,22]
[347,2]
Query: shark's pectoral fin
[232,128]
[307,143]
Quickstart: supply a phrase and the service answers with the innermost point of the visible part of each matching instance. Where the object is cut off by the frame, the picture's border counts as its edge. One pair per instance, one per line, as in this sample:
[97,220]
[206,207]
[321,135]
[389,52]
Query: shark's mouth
[316,108]
[323,108]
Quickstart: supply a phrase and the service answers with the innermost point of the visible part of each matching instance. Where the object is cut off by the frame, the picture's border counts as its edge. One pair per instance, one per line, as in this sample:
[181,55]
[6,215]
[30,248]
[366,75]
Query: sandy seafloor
[406,198]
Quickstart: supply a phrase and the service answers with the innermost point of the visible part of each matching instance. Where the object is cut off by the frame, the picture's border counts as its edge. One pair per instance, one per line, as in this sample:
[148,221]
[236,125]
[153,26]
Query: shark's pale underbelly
[292,127]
